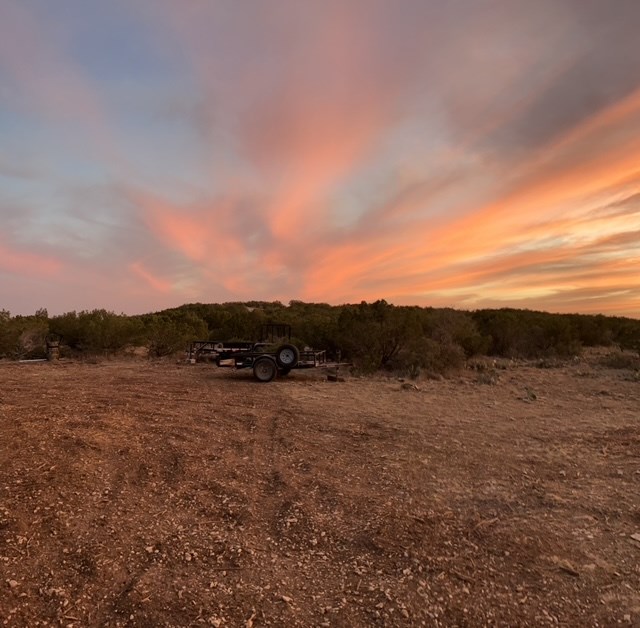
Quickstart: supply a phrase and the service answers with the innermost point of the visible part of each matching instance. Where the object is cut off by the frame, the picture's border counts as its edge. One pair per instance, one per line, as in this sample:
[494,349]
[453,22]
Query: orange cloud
[203,235]
[300,207]
[424,248]
[579,165]
[417,259]
[220,247]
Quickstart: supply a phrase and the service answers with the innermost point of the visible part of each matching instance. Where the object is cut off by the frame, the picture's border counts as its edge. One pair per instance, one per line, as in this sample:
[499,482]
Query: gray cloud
[602,70]
[17,168]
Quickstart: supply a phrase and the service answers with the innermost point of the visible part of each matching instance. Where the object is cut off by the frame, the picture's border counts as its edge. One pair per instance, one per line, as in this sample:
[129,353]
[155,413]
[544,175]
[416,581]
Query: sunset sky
[467,153]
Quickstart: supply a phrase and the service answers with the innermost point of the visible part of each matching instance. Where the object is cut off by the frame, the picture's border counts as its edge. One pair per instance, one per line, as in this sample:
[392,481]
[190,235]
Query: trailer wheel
[287,356]
[283,372]
[264,369]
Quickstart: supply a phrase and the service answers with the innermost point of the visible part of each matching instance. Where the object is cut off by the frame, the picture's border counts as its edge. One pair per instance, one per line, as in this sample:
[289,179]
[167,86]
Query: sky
[467,154]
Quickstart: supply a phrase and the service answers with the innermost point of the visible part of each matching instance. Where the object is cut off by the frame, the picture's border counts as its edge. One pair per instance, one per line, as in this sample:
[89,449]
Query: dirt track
[160,494]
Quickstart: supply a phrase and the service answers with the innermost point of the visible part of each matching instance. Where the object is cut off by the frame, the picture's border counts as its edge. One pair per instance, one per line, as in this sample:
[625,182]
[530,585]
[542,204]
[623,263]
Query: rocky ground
[141,493]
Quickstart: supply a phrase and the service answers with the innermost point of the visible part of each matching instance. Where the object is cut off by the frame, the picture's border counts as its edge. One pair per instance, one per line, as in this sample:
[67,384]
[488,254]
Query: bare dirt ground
[137,493]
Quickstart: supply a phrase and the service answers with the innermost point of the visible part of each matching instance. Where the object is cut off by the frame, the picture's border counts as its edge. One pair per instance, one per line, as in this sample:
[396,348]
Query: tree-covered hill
[373,335]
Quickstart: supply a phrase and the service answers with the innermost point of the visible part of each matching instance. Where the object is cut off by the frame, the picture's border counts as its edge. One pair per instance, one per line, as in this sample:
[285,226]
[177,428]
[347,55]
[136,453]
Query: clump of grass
[620,360]
[549,363]
[488,377]
[633,377]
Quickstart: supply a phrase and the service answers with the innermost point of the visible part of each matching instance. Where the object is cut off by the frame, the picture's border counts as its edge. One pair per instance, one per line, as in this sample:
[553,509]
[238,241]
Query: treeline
[371,335]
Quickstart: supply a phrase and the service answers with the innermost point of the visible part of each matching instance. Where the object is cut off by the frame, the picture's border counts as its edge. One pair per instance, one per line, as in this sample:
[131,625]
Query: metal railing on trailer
[211,348]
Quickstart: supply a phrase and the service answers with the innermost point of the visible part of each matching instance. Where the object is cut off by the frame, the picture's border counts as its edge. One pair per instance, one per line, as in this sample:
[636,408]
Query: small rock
[149,549]
[12,584]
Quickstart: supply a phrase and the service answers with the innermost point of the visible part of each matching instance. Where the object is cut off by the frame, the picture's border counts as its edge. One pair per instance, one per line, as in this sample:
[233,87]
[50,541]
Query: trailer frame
[272,356]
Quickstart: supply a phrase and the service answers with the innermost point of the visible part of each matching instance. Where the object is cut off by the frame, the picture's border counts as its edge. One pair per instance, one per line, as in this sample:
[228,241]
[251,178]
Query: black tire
[287,356]
[264,370]
[283,372]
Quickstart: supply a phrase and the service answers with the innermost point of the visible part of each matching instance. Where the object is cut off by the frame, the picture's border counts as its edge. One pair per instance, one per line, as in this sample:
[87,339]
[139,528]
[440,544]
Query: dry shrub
[488,377]
[620,360]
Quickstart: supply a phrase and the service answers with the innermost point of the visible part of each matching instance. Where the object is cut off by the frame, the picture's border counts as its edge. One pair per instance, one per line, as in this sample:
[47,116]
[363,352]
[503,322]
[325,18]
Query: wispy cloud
[157,283]
[15,261]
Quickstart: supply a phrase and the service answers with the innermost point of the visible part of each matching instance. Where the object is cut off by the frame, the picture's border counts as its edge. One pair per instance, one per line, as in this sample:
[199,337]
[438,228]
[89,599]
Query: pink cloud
[157,283]
[26,263]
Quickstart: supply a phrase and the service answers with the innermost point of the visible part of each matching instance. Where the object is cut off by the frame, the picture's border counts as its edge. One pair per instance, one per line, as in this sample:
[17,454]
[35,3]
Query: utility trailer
[272,356]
